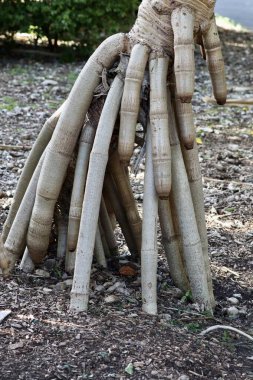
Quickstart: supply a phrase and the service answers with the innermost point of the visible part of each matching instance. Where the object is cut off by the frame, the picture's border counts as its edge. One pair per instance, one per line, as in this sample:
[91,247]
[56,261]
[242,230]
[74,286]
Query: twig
[232,102]
[14,147]
[212,328]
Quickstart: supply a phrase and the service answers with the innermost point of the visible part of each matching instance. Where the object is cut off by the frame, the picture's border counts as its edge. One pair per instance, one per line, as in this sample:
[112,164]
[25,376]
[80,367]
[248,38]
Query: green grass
[8,103]
[18,70]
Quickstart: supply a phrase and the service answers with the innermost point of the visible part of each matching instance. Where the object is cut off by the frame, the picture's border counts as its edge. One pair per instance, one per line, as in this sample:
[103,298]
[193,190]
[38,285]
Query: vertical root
[127,199]
[158,69]
[149,236]
[114,198]
[92,196]
[62,144]
[171,245]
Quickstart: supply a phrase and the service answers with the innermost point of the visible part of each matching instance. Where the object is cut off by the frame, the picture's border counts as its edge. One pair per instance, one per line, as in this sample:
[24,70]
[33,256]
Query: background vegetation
[82,22]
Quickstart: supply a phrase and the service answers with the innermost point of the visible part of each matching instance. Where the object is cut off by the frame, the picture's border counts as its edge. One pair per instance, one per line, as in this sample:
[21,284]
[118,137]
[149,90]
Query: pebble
[99,288]
[68,282]
[166,317]
[232,312]
[47,290]
[237,295]
[183,377]
[60,286]
[42,273]
[49,82]
[233,300]
[114,287]
[111,299]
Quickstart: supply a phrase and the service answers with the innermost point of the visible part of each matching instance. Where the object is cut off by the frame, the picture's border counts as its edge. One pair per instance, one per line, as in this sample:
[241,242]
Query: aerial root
[87,204]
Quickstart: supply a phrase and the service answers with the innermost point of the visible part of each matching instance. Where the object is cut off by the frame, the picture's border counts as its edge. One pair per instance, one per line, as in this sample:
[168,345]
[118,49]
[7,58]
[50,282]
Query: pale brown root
[126,195]
[191,245]
[61,221]
[85,145]
[112,194]
[215,62]
[99,250]
[149,250]
[92,196]
[171,246]
[27,265]
[193,170]
[16,239]
[104,241]
[110,210]
[7,260]
[29,167]
[107,227]
[64,139]
[70,259]
[131,101]
[185,123]
[182,21]
[158,69]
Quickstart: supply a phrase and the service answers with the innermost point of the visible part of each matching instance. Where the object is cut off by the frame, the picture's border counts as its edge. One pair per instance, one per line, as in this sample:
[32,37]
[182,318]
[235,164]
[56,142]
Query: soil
[41,339]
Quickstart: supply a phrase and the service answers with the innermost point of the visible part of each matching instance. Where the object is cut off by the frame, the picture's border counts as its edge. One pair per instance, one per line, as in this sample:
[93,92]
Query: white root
[161,154]
[182,203]
[192,166]
[182,21]
[224,327]
[131,100]
[215,62]
[85,146]
[92,196]
[27,265]
[149,250]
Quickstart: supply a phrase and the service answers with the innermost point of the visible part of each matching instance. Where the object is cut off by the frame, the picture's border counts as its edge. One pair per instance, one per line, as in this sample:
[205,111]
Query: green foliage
[86,22]
[12,17]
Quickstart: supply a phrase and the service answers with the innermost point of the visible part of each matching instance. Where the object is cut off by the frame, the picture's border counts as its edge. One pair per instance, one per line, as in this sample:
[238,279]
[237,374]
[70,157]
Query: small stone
[99,288]
[49,82]
[166,317]
[68,282]
[4,314]
[42,273]
[64,276]
[113,287]
[237,295]
[183,377]
[78,336]
[233,300]
[232,312]
[15,346]
[47,290]
[111,299]
[154,373]
[60,286]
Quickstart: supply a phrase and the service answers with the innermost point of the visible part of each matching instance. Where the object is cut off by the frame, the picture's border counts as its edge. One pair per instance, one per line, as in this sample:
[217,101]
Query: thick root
[64,140]
[92,196]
